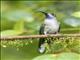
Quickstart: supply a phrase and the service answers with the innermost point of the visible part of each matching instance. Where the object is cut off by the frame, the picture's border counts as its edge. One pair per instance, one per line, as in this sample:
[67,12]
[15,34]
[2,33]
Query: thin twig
[38,36]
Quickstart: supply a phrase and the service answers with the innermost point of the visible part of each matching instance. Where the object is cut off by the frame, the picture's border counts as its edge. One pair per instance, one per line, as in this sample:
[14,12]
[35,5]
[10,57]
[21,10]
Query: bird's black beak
[44,13]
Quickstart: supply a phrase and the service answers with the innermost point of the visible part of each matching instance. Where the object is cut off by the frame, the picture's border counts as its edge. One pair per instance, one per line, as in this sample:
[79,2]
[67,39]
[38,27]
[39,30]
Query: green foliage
[57,47]
[19,26]
[66,44]
[18,17]
[17,30]
[74,45]
[6,24]
[17,43]
[63,44]
[10,33]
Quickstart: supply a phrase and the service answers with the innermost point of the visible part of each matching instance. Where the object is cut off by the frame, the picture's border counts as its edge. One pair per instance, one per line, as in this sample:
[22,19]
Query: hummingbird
[49,26]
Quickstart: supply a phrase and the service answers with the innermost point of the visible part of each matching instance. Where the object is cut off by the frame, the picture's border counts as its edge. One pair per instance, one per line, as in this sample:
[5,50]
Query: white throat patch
[50,15]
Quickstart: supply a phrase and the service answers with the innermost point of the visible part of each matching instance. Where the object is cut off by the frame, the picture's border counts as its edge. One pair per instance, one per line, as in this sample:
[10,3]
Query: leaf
[19,26]
[6,24]
[76,14]
[45,57]
[10,33]
[62,56]
[68,56]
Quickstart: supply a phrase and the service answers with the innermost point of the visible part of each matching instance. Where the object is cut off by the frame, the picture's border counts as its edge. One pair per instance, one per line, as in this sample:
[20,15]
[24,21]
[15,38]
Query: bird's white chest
[51,26]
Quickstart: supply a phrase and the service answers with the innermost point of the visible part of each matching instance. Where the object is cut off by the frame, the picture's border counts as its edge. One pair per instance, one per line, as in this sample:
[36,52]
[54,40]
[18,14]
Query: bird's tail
[41,41]
[41,47]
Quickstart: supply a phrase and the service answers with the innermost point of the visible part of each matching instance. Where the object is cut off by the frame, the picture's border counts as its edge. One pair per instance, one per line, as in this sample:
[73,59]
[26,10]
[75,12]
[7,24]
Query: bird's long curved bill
[42,12]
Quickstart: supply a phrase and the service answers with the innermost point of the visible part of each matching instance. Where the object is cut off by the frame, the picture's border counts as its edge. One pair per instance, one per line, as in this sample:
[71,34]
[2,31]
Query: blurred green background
[23,18]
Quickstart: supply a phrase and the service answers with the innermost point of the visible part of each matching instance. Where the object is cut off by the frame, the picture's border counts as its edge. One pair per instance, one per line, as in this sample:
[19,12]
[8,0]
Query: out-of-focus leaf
[45,57]
[10,33]
[62,56]
[72,22]
[18,29]
[68,56]
[19,26]
[76,14]
[6,24]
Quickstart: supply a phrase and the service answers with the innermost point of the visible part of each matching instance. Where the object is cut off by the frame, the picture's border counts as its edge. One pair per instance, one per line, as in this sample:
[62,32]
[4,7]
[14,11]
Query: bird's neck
[50,18]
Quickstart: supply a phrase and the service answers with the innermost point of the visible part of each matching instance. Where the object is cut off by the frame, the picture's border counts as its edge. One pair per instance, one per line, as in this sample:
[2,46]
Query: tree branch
[38,36]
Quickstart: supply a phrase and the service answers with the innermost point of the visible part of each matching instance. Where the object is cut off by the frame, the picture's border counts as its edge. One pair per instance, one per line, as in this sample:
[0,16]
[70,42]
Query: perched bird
[50,26]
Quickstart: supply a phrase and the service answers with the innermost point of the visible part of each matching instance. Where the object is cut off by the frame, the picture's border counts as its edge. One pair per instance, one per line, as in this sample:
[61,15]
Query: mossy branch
[38,36]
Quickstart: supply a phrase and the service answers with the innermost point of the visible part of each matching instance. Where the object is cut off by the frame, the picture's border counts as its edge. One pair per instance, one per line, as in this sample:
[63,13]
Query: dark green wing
[41,31]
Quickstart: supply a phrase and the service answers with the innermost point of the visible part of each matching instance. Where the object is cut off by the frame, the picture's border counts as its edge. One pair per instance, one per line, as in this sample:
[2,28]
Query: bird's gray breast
[51,26]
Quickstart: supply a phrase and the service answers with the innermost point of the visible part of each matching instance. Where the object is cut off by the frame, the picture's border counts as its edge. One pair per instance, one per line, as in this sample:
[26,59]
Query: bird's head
[48,15]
